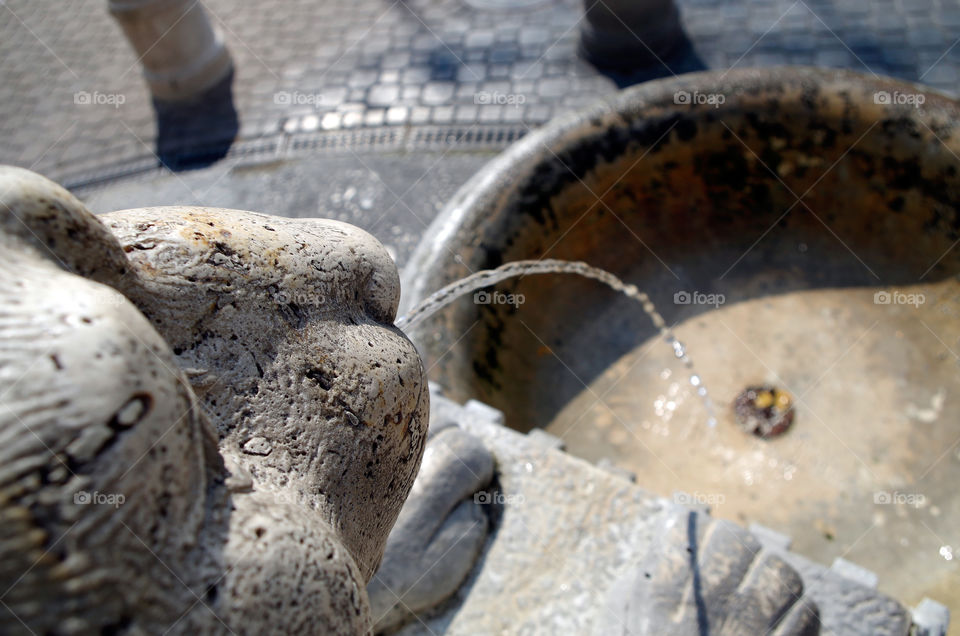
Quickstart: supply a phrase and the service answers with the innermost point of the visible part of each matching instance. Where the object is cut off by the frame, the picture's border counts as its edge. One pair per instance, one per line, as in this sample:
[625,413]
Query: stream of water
[485,278]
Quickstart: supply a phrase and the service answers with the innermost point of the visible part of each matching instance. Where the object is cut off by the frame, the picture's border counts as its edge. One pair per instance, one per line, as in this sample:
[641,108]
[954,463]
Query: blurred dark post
[190,75]
[626,35]
[182,54]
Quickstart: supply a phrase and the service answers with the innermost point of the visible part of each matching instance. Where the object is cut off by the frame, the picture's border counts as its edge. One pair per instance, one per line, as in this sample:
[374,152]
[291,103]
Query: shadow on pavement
[199,132]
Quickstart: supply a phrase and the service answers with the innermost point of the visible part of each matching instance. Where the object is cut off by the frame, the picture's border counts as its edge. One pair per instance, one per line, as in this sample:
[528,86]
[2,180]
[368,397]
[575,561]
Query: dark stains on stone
[293,315]
[322,378]
[223,248]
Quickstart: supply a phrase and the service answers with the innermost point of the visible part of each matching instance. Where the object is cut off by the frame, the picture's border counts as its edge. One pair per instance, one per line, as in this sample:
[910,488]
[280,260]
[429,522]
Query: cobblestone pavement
[305,67]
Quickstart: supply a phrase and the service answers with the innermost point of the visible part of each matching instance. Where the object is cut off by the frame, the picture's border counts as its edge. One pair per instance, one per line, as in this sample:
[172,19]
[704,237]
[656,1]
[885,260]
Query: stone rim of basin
[474,230]
[685,169]
[433,263]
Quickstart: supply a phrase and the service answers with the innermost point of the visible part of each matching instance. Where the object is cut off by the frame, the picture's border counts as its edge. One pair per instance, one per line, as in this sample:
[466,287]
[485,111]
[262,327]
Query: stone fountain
[211,424]
[776,217]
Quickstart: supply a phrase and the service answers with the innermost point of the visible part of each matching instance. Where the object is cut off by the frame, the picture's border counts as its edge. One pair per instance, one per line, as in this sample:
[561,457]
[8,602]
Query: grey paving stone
[391,76]
[332,121]
[351,119]
[435,93]
[383,95]
[341,49]
[467,93]
[479,39]
[533,35]
[415,75]
[504,54]
[466,114]
[498,71]
[442,115]
[523,72]
[425,42]
[362,78]
[513,114]
[472,72]
[352,107]
[374,117]
[491,114]
[397,115]
[411,93]
[538,113]
[419,115]
[310,123]
[553,87]
[333,96]
[396,60]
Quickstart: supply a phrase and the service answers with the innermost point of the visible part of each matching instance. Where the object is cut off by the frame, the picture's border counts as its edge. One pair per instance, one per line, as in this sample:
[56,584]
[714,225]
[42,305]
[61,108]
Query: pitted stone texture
[291,350]
[50,220]
[846,606]
[121,514]
[101,438]
[705,576]
[568,532]
[439,534]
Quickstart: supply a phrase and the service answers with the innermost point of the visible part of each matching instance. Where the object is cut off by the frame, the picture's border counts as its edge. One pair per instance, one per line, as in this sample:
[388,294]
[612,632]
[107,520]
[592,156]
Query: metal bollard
[629,34]
[182,54]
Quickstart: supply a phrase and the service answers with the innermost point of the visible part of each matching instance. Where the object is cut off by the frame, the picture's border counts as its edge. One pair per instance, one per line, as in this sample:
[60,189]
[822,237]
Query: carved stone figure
[209,425]
[208,421]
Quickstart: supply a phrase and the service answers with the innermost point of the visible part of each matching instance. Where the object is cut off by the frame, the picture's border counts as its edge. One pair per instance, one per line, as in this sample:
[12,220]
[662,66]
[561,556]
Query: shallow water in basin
[517,269]
[870,467]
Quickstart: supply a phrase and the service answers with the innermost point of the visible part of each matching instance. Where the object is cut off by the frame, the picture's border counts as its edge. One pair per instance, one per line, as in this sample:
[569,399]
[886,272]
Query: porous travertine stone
[440,532]
[707,576]
[571,546]
[120,514]
[289,346]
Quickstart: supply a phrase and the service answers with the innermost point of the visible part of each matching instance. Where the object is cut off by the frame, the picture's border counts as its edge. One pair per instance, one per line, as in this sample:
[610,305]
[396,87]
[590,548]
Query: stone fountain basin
[806,198]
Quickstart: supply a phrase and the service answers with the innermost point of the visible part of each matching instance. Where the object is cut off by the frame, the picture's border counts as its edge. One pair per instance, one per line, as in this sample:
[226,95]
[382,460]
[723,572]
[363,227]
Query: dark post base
[626,35]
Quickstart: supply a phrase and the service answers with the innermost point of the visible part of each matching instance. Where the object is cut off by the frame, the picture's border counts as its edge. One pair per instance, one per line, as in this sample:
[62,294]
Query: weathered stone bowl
[797,198]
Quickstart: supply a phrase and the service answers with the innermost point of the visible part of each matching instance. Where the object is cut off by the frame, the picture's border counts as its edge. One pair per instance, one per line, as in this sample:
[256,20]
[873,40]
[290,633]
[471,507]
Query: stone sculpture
[209,423]
[440,533]
[706,576]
